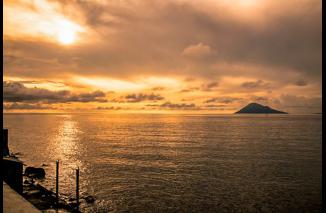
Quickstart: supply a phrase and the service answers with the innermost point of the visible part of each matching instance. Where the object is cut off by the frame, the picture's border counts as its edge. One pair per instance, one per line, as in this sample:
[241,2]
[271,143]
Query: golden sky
[180,56]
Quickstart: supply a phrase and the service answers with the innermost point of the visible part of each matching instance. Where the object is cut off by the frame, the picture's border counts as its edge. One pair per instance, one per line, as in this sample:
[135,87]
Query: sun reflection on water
[66,148]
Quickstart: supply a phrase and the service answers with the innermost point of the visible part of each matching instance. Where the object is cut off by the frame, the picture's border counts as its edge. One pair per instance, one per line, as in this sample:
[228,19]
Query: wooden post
[77,188]
[57,183]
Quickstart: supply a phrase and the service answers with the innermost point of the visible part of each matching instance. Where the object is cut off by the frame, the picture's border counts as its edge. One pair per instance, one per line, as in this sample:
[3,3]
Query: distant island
[254,108]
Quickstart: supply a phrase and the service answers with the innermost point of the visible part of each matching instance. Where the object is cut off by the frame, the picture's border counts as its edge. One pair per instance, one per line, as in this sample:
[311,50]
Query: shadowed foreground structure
[14,203]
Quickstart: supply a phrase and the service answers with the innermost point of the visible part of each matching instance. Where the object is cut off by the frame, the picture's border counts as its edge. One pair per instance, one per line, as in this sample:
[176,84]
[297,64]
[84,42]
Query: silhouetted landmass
[255,108]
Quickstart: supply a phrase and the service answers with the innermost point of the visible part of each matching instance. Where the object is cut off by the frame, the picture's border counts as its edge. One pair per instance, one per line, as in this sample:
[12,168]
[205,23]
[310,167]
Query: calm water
[178,163]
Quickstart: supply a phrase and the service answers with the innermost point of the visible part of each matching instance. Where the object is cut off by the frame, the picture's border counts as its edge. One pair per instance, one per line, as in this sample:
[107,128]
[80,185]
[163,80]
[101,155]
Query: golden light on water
[67,138]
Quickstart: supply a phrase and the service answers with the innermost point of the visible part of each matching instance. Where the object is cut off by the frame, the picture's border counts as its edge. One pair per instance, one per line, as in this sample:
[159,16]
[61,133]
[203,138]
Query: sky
[179,56]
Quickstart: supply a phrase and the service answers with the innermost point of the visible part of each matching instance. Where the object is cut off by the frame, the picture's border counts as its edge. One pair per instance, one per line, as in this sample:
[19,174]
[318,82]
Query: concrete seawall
[15,203]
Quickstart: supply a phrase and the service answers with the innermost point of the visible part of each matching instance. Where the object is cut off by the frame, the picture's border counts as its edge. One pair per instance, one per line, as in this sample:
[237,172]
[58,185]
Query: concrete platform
[15,203]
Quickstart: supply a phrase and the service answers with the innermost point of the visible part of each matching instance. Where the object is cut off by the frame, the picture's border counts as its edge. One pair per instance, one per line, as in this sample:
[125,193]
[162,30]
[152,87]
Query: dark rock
[16,153]
[89,199]
[26,182]
[35,172]
[254,108]
[33,192]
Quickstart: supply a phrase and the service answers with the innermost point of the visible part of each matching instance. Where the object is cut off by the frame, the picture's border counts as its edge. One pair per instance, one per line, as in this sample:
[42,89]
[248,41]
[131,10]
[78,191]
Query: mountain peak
[256,108]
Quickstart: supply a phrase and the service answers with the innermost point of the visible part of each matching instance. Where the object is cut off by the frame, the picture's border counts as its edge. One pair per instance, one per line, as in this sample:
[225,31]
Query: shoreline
[42,198]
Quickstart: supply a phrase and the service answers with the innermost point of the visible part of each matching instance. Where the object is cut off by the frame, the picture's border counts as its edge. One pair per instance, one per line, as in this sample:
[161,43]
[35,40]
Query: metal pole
[77,188]
[57,183]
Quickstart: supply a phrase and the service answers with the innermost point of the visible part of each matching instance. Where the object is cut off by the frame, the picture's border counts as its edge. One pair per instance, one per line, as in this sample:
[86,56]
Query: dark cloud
[224,100]
[209,86]
[108,108]
[17,92]
[142,97]
[169,105]
[27,106]
[301,83]
[191,89]
[255,84]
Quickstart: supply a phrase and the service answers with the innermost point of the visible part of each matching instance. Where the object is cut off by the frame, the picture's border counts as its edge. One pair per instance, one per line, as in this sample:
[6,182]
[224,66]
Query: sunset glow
[171,56]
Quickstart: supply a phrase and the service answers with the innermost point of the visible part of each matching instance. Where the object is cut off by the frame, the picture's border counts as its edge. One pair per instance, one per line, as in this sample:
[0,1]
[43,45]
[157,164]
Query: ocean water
[177,163]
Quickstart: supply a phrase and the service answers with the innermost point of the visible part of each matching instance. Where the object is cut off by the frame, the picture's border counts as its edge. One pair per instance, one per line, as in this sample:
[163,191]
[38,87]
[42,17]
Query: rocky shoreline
[42,198]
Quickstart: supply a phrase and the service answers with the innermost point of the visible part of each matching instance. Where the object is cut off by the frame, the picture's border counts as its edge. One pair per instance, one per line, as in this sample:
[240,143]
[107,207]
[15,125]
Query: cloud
[158,88]
[178,106]
[260,98]
[175,106]
[206,87]
[142,97]
[224,100]
[197,50]
[17,92]
[300,101]
[108,108]
[214,105]
[219,107]
[27,106]
[255,84]
[164,30]
[301,83]
[191,89]
[210,86]
[299,104]
[183,39]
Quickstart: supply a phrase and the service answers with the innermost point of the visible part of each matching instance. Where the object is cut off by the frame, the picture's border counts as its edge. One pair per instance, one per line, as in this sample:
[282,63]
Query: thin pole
[77,188]
[57,183]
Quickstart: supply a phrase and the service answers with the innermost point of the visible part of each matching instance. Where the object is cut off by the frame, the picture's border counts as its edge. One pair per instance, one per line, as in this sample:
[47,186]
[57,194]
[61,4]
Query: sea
[176,163]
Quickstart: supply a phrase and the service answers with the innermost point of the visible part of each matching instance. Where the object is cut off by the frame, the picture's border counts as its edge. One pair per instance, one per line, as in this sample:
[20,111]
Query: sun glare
[66,37]
[247,3]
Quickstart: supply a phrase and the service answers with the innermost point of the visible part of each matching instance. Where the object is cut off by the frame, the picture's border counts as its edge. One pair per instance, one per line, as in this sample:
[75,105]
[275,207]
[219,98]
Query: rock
[89,199]
[43,165]
[35,172]
[16,153]
[33,192]
[26,182]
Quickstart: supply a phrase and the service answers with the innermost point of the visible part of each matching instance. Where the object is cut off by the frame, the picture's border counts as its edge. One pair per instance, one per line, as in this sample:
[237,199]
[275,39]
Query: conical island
[254,108]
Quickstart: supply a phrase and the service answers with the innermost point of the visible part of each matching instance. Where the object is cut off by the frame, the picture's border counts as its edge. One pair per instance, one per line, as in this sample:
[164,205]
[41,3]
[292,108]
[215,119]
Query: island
[254,108]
